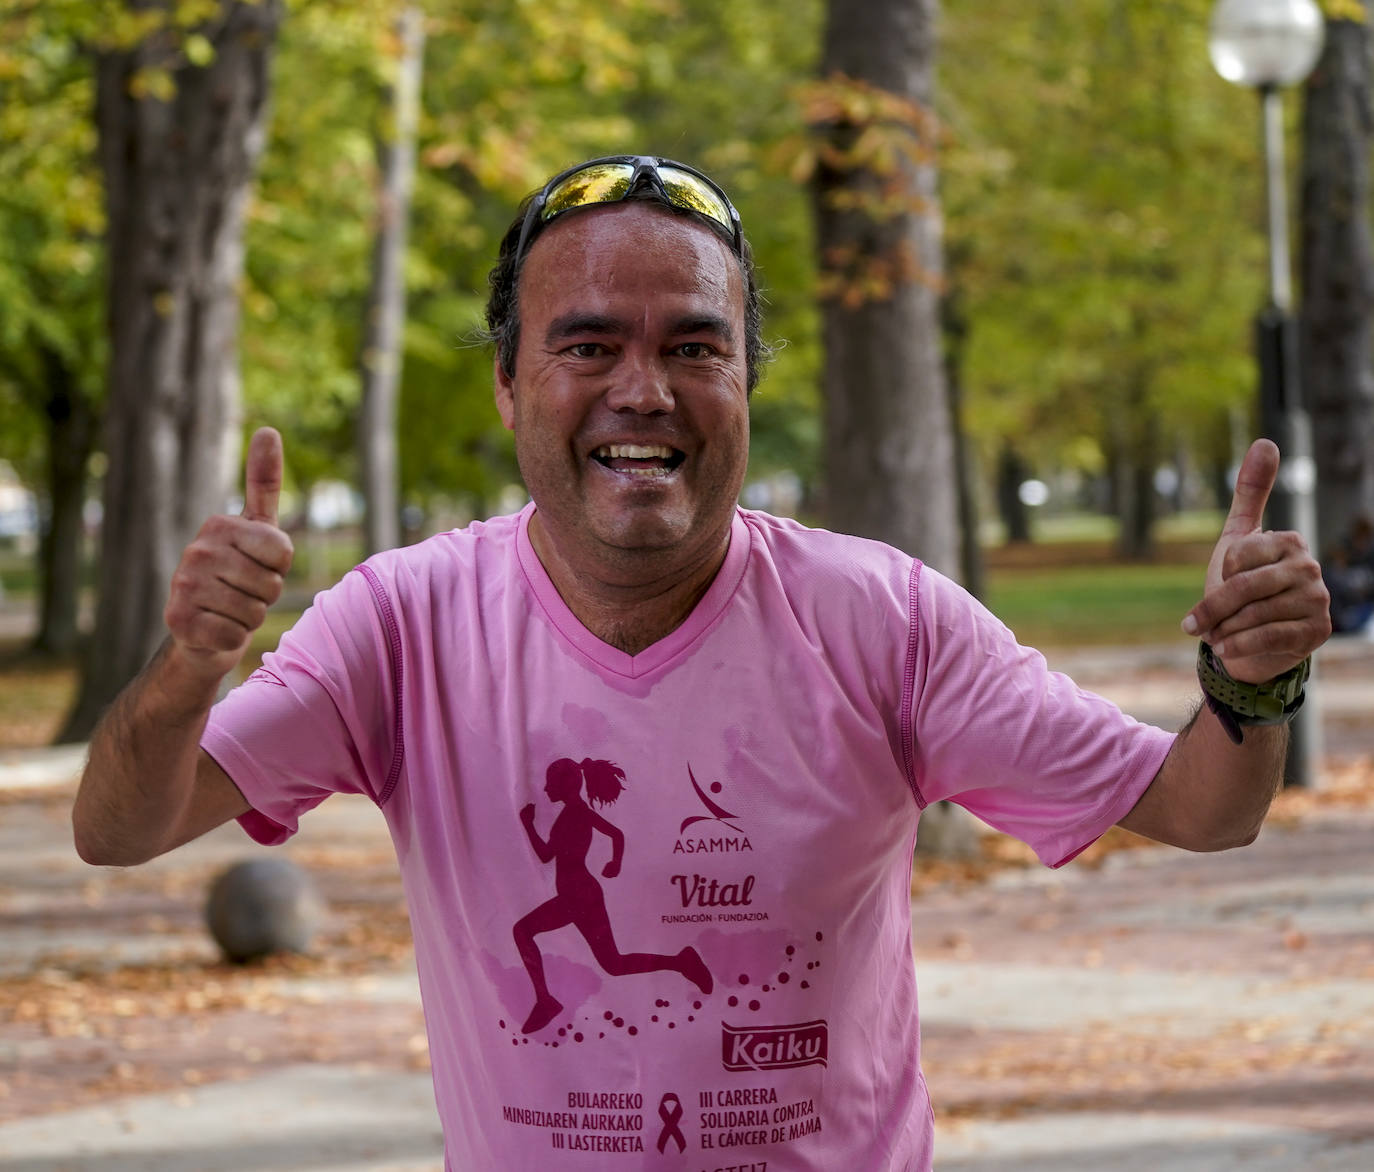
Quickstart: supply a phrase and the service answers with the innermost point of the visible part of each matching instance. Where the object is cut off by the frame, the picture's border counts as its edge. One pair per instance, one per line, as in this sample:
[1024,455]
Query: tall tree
[385,314]
[1337,263]
[180,113]
[889,452]
[50,291]
[1100,183]
[954,322]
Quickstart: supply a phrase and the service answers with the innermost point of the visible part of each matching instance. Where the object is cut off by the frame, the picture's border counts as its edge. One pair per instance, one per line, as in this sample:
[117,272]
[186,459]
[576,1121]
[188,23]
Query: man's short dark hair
[503,303]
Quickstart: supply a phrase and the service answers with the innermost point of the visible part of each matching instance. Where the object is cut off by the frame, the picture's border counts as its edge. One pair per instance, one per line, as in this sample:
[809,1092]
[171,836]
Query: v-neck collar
[656,655]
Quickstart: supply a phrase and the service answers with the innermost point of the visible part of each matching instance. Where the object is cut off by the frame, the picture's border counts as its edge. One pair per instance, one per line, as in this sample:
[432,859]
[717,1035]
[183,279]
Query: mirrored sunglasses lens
[687,191]
[602,183]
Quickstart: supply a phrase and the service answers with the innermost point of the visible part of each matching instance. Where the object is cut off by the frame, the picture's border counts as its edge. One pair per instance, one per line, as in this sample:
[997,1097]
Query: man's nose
[640,384]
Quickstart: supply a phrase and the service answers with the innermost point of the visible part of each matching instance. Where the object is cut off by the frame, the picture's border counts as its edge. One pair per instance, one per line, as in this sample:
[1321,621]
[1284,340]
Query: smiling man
[767,708]
[628,396]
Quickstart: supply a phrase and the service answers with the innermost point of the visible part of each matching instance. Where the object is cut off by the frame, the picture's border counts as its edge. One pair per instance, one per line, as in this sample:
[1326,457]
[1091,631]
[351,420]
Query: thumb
[1255,480]
[1258,472]
[262,476]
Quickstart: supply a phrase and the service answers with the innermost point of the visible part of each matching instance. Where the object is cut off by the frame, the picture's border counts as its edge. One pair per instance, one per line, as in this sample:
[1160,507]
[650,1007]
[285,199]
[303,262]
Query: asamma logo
[774,1047]
[702,841]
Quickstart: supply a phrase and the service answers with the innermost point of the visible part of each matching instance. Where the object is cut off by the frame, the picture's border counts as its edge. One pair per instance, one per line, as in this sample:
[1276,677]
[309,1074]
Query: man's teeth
[607,453]
[634,452]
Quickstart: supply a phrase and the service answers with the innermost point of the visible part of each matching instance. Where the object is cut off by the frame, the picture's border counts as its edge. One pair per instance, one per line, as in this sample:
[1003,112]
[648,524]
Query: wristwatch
[1238,705]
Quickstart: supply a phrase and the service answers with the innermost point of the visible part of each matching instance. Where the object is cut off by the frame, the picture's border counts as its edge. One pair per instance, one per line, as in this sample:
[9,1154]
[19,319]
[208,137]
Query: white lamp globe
[1266,42]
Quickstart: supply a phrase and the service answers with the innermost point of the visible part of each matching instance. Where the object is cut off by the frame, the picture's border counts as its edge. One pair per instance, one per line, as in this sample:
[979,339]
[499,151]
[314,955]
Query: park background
[1020,243]
[1066,206]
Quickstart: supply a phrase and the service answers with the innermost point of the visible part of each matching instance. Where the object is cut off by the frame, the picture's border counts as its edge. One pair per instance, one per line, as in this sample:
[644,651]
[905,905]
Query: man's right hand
[148,786]
[233,570]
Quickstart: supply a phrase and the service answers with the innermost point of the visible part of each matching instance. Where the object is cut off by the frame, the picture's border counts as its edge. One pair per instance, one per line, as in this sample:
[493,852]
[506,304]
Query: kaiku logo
[710,843]
[774,1047]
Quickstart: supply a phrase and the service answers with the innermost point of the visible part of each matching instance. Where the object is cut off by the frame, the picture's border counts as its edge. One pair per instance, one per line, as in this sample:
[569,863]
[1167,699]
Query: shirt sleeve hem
[1124,801]
[230,756]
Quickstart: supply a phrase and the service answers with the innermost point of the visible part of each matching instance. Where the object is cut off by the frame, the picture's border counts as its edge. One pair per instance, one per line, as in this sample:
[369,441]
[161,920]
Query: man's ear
[505,395]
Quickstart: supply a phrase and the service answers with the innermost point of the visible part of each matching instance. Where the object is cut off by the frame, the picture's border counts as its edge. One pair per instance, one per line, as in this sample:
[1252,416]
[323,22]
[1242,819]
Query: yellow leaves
[881,203]
[1345,785]
[71,255]
[875,150]
[258,305]
[128,27]
[881,131]
[168,42]
[153,82]
[1351,10]
[199,51]
[856,277]
[190,13]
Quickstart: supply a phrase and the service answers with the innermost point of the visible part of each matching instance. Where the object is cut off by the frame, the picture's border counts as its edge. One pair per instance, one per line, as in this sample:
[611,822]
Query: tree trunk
[1137,455]
[178,164]
[385,313]
[1136,540]
[72,421]
[1337,264]
[1012,472]
[889,452]
[955,326]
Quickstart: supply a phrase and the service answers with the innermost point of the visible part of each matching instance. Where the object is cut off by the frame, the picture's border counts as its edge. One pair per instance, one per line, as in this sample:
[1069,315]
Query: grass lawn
[1072,606]
[1069,589]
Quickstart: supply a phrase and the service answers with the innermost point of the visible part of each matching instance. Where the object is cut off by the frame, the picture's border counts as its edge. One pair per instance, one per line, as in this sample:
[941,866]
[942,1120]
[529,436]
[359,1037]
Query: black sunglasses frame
[646,169]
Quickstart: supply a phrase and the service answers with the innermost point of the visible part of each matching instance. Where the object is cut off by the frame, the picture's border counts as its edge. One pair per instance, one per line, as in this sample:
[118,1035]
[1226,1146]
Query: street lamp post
[1269,44]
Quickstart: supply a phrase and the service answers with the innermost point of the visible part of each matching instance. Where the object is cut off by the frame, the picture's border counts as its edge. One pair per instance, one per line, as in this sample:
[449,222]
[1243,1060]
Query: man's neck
[636,610]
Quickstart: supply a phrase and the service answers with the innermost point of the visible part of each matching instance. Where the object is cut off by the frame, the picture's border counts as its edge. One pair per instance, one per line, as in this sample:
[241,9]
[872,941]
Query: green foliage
[1354,11]
[51,222]
[1103,205]
[510,95]
[1101,193]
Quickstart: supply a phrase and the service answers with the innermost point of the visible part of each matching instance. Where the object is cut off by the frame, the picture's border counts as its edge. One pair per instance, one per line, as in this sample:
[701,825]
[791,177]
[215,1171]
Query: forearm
[138,786]
[1263,612]
[147,786]
[1211,794]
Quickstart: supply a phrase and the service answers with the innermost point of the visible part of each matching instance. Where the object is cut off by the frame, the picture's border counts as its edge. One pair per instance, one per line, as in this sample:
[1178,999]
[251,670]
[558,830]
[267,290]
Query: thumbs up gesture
[233,570]
[1265,608]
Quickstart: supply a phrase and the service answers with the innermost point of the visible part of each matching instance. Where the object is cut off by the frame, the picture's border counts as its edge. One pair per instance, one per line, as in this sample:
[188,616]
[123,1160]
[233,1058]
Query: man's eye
[696,350]
[587,350]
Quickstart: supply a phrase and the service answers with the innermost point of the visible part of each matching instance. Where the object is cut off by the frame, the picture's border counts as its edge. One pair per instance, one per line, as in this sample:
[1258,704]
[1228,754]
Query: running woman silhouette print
[579,900]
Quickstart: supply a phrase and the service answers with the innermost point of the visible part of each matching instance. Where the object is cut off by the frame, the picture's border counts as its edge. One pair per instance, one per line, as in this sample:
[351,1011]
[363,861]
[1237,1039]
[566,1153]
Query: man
[1348,572]
[768,708]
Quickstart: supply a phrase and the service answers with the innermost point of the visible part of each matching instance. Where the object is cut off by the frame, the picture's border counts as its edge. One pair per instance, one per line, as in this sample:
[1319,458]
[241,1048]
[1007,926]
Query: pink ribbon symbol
[671,1117]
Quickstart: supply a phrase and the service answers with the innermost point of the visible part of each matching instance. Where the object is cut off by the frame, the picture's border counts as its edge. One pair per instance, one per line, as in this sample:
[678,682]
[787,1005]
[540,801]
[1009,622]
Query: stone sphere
[262,906]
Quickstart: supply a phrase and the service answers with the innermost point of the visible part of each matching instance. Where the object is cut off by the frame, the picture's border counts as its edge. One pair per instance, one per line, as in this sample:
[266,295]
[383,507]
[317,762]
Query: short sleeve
[319,717]
[1022,747]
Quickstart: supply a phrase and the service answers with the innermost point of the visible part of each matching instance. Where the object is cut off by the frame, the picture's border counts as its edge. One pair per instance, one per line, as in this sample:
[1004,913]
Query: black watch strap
[1238,705]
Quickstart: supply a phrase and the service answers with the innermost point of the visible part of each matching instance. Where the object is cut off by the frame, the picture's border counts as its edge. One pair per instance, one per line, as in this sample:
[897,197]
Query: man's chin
[644,531]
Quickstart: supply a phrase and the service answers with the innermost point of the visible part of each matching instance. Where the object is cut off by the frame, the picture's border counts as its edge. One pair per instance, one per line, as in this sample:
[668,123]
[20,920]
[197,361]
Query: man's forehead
[634,245]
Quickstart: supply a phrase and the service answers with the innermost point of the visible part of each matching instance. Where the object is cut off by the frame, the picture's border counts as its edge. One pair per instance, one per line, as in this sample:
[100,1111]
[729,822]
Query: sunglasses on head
[614,178]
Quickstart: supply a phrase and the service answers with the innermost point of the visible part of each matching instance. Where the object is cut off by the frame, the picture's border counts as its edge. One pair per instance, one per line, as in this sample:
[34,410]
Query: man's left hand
[1265,608]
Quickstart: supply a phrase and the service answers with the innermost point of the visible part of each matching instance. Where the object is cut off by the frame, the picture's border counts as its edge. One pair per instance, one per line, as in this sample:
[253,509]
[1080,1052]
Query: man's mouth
[647,460]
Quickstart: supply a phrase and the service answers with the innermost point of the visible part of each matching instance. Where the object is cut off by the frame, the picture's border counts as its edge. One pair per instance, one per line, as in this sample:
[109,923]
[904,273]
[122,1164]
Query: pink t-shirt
[740,988]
